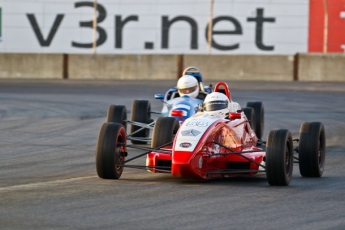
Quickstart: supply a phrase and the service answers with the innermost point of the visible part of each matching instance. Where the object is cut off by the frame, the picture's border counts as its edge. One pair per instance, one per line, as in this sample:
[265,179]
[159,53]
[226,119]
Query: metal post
[94,26]
[210,25]
[179,66]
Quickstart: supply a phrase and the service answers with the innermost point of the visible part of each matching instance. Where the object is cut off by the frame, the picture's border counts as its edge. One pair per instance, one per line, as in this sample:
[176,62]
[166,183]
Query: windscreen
[215,105]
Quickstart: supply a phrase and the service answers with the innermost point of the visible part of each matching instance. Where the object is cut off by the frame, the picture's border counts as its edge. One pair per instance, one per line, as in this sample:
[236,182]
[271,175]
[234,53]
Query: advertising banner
[170,26]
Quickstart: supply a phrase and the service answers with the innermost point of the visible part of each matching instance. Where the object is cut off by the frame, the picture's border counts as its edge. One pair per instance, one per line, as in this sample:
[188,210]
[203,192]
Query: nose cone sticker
[190,132]
[185,145]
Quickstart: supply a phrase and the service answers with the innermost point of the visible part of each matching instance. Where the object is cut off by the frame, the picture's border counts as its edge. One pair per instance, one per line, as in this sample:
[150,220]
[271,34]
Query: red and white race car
[206,147]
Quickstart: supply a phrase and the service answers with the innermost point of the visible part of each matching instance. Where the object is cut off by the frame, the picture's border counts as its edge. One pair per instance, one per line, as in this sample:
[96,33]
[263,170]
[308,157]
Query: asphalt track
[48,134]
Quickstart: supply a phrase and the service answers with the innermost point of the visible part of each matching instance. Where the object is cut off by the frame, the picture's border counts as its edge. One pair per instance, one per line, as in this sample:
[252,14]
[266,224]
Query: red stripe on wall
[316,26]
[335,30]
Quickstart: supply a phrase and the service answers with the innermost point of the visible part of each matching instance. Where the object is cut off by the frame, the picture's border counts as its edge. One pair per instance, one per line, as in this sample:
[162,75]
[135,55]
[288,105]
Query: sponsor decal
[197,123]
[185,145]
[179,106]
[190,132]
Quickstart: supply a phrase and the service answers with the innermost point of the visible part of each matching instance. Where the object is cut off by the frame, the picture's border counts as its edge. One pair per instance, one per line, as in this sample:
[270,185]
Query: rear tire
[259,117]
[111,142]
[312,149]
[250,114]
[141,112]
[164,130]
[117,114]
[279,157]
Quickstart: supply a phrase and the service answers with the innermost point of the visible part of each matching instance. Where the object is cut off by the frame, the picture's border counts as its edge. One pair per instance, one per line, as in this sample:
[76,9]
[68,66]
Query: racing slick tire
[141,112]
[117,114]
[164,130]
[250,114]
[259,117]
[312,149]
[111,150]
[279,157]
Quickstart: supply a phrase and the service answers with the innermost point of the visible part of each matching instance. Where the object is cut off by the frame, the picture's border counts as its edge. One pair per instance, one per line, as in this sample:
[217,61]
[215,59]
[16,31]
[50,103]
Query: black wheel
[279,157]
[117,114]
[312,149]
[250,114]
[164,130]
[110,146]
[259,117]
[141,112]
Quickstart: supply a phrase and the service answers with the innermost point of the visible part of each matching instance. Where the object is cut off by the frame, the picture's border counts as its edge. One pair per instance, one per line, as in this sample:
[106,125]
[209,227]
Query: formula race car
[207,147]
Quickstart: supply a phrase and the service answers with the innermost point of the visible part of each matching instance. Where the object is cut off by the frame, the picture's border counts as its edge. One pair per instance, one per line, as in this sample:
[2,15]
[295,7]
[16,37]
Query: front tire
[279,157]
[111,144]
[141,112]
[164,130]
[312,149]
[117,114]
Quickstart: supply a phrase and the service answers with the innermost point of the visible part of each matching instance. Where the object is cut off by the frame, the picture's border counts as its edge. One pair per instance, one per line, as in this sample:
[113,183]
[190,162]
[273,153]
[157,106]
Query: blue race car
[186,97]
[177,98]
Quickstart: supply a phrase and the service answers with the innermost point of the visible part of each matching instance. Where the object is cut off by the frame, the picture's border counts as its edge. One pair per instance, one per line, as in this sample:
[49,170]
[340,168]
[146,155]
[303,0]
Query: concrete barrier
[244,67]
[122,67]
[31,66]
[321,67]
[304,67]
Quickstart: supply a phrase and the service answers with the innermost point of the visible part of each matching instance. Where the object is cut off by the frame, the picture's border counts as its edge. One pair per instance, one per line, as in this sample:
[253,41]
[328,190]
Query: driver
[188,85]
[218,105]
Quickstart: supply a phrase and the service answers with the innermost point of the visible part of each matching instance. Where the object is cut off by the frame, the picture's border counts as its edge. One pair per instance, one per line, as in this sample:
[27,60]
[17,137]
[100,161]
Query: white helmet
[217,104]
[188,85]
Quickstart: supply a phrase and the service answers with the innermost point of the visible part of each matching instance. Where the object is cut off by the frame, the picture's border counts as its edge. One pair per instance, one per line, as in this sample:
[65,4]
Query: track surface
[48,134]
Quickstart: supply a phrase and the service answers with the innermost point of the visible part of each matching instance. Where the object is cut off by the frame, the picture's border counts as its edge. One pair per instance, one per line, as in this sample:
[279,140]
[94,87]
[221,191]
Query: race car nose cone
[181,170]
[185,165]
[175,171]
[184,171]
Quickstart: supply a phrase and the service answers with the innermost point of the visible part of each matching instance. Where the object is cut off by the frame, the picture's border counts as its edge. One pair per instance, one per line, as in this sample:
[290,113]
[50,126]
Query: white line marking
[43,184]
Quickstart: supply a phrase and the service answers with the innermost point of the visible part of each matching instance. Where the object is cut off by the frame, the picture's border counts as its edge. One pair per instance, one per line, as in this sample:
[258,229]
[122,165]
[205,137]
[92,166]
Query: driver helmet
[217,104]
[188,85]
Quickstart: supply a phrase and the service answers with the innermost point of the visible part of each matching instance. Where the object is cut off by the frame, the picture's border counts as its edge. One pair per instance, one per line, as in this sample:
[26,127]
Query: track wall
[300,67]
